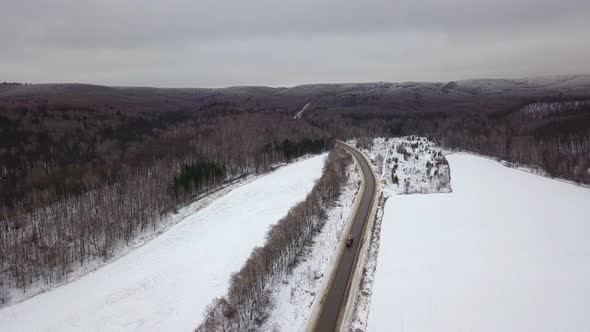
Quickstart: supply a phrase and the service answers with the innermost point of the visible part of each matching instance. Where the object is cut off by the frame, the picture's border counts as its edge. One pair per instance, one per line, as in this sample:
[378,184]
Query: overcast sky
[213,43]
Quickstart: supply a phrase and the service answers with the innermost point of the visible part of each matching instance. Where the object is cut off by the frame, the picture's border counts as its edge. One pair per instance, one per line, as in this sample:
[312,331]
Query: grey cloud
[114,23]
[224,42]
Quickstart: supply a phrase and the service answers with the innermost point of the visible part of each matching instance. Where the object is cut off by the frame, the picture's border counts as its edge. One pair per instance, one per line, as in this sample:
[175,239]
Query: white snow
[506,251]
[300,113]
[165,284]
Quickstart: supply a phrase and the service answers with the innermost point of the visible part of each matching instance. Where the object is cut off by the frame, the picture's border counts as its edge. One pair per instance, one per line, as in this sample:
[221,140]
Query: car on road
[349,241]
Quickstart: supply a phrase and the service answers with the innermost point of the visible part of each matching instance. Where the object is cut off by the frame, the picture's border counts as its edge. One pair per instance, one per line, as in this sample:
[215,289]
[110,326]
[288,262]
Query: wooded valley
[84,169]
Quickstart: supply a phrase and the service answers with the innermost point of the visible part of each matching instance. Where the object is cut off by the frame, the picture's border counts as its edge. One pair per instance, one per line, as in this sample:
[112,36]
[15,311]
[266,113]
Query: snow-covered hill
[506,251]
[166,284]
[409,165]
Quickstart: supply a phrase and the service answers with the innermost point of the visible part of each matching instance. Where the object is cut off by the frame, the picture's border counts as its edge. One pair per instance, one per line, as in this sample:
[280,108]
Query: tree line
[248,299]
[555,138]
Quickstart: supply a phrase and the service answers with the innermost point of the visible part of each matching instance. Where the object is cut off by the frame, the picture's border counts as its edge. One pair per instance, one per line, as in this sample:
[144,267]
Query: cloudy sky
[213,43]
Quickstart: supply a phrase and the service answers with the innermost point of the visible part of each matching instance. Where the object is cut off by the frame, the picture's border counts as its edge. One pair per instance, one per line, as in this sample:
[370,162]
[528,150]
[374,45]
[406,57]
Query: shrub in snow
[395,179]
[4,296]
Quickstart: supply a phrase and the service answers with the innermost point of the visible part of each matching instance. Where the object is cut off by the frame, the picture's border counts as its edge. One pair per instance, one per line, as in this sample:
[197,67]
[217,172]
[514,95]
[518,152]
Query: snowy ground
[165,284]
[295,296]
[506,251]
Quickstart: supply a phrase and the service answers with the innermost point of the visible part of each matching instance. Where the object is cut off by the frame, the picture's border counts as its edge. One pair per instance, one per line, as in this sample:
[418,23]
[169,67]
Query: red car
[349,241]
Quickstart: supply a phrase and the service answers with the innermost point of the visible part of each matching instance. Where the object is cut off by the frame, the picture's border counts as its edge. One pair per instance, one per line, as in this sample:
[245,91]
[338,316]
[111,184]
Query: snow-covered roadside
[362,303]
[506,251]
[166,283]
[164,223]
[295,295]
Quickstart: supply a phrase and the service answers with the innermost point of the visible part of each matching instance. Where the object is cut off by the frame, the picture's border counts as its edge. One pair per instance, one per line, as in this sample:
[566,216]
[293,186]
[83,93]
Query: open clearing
[506,251]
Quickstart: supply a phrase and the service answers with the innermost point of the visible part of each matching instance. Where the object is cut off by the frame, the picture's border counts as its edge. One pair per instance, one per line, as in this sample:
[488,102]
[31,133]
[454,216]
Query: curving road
[337,293]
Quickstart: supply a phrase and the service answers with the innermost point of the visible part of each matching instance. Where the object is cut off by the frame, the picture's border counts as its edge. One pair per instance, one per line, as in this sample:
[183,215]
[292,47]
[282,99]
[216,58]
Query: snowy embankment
[506,251]
[165,284]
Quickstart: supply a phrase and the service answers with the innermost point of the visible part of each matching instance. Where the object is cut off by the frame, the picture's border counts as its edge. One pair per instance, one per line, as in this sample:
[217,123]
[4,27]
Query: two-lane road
[337,292]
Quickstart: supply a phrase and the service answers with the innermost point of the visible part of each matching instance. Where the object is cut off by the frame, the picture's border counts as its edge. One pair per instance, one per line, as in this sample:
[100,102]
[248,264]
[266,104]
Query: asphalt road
[337,293]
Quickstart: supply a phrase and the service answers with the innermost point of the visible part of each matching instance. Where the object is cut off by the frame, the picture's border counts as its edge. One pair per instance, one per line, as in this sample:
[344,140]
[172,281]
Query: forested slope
[85,168]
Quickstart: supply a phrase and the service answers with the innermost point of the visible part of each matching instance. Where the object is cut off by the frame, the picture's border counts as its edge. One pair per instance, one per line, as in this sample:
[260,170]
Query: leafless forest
[90,181]
[84,169]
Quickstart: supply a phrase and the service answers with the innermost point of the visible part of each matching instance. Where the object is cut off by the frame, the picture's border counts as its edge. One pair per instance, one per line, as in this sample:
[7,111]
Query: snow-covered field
[165,284]
[506,251]
[406,165]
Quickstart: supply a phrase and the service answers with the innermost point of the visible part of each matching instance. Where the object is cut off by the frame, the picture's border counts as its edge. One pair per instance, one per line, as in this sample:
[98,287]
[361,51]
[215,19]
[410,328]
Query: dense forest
[78,184]
[84,169]
[557,143]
